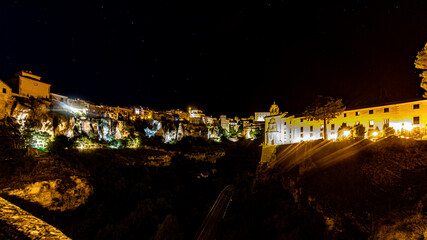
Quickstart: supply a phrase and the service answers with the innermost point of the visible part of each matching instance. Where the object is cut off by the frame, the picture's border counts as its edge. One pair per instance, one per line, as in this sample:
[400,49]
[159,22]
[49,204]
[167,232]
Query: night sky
[223,57]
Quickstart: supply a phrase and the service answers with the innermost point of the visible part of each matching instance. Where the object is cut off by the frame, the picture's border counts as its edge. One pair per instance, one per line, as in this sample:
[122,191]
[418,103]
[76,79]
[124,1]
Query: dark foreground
[376,192]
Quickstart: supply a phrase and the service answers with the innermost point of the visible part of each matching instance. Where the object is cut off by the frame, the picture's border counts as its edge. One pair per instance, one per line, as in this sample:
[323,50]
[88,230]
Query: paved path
[16,223]
[214,218]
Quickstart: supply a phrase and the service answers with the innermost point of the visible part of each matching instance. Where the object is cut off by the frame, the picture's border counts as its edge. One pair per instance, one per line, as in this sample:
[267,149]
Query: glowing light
[346,133]
[374,134]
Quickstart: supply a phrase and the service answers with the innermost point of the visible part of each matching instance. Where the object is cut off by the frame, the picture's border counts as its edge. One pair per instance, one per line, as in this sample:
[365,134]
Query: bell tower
[274,109]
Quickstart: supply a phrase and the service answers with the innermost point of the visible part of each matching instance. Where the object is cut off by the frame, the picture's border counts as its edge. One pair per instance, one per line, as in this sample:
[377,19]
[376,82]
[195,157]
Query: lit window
[332,126]
[311,134]
[416,120]
[357,123]
[357,113]
[321,134]
[371,123]
[302,135]
[371,111]
[386,110]
[416,106]
[321,127]
[386,121]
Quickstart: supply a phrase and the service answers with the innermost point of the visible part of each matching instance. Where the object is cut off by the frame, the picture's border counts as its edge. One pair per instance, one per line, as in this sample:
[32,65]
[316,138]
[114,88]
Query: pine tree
[325,109]
[421,63]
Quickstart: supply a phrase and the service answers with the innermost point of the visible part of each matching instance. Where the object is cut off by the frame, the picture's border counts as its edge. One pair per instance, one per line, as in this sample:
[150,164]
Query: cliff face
[361,189]
[43,116]
[50,118]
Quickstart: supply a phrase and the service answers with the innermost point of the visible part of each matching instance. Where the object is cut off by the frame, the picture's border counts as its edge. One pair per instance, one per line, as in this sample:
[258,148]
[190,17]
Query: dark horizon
[232,58]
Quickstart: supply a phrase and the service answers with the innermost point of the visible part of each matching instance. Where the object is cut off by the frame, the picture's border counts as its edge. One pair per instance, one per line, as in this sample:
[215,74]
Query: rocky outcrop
[58,195]
[27,224]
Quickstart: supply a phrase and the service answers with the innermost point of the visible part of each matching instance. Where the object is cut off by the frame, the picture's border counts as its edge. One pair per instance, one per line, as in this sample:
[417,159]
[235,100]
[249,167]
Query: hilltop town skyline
[232,58]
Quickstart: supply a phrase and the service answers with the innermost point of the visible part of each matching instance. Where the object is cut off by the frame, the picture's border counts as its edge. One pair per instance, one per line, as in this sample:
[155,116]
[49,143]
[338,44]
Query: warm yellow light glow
[346,133]
[374,134]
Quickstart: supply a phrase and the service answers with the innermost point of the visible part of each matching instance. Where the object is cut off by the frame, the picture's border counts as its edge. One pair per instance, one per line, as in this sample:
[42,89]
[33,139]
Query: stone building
[28,84]
[403,117]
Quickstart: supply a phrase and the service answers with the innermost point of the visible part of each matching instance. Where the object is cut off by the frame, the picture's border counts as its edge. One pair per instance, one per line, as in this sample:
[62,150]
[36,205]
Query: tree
[324,108]
[59,144]
[11,137]
[359,131]
[421,63]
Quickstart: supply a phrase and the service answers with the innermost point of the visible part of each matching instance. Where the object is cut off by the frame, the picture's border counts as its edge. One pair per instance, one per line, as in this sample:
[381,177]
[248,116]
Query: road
[214,218]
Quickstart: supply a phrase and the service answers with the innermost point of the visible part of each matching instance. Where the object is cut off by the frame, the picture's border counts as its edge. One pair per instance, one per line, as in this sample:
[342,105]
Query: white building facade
[404,118]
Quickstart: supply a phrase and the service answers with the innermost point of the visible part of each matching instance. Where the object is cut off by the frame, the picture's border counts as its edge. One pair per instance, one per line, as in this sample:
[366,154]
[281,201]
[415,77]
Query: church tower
[274,109]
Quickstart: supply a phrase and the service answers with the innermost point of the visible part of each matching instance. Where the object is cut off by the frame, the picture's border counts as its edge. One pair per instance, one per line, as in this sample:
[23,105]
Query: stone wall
[27,224]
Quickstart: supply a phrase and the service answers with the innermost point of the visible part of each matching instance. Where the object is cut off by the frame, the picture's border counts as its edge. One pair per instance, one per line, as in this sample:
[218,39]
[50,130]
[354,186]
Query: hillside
[338,190]
[145,193]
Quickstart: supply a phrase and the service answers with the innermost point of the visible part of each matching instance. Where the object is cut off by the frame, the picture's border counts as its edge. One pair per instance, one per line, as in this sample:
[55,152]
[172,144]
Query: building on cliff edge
[407,118]
[27,84]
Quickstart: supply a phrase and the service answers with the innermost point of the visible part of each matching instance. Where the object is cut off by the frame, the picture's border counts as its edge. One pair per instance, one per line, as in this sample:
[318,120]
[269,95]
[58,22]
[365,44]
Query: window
[302,129]
[357,123]
[321,127]
[332,133]
[311,128]
[302,120]
[344,124]
[4,90]
[386,110]
[371,123]
[321,134]
[344,115]
[285,123]
[416,106]
[416,120]
[357,113]
[371,111]
[302,135]
[332,126]
[311,134]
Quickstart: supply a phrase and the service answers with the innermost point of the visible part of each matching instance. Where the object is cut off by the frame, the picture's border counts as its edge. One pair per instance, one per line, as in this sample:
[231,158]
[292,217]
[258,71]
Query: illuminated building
[196,116]
[281,128]
[224,122]
[29,85]
[259,116]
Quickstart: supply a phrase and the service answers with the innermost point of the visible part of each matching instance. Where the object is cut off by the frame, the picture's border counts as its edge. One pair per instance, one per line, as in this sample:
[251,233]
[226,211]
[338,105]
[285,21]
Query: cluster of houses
[26,84]
[279,128]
